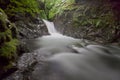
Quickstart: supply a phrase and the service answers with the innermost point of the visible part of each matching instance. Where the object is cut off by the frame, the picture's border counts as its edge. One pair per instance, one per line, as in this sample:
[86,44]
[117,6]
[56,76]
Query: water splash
[55,38]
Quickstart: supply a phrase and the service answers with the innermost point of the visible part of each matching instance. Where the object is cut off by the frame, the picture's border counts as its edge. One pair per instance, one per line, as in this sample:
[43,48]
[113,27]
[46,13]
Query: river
[60,57]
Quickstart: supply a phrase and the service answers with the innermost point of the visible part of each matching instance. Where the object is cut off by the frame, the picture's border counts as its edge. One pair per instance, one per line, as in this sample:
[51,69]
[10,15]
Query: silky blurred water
[73,62]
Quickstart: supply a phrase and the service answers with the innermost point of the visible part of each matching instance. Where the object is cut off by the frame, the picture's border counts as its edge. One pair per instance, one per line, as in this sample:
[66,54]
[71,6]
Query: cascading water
[55,39]
[70,62]
[50,27]
[59,57]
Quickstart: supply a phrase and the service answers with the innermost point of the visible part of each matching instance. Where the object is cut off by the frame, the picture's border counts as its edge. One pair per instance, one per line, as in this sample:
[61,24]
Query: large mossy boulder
[8,42]
[25,15]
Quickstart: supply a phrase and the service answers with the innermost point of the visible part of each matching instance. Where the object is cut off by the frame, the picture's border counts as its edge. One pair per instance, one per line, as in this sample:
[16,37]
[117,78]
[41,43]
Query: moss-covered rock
[25,15]
[91,19]
[14,7]
[8,42]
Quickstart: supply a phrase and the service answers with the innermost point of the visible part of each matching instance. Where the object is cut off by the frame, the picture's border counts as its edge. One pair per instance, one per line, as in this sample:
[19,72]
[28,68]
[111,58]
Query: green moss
[22,6]
[3,19]
[3,16]
[7,32]
[8,43]
[8,47]
[8,50]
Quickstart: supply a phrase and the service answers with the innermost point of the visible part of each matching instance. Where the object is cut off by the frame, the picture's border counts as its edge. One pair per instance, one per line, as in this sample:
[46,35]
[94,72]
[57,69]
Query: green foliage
[2,15]
[8,50]
[47,9]
[8,45]
[97,16]
[23,6]
[8,42]
[55,7]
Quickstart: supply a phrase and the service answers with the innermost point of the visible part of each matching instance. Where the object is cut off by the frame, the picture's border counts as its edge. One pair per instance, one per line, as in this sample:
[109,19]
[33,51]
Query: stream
[60,57]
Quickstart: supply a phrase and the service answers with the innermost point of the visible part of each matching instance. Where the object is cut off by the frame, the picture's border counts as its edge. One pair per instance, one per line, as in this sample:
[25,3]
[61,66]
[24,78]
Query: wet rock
[30,27]
[26,65]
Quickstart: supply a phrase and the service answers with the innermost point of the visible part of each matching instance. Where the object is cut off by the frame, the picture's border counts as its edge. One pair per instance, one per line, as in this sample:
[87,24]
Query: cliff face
[96,20]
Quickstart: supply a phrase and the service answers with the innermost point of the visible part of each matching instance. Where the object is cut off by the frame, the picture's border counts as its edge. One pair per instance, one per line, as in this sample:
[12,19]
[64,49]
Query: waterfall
[50,27]
[54,40]
[92,62]
[60,57]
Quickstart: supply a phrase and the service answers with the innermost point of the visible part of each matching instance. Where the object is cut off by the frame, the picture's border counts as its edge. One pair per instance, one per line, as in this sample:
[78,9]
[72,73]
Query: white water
[50,27]
[55,38]
[69,62]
